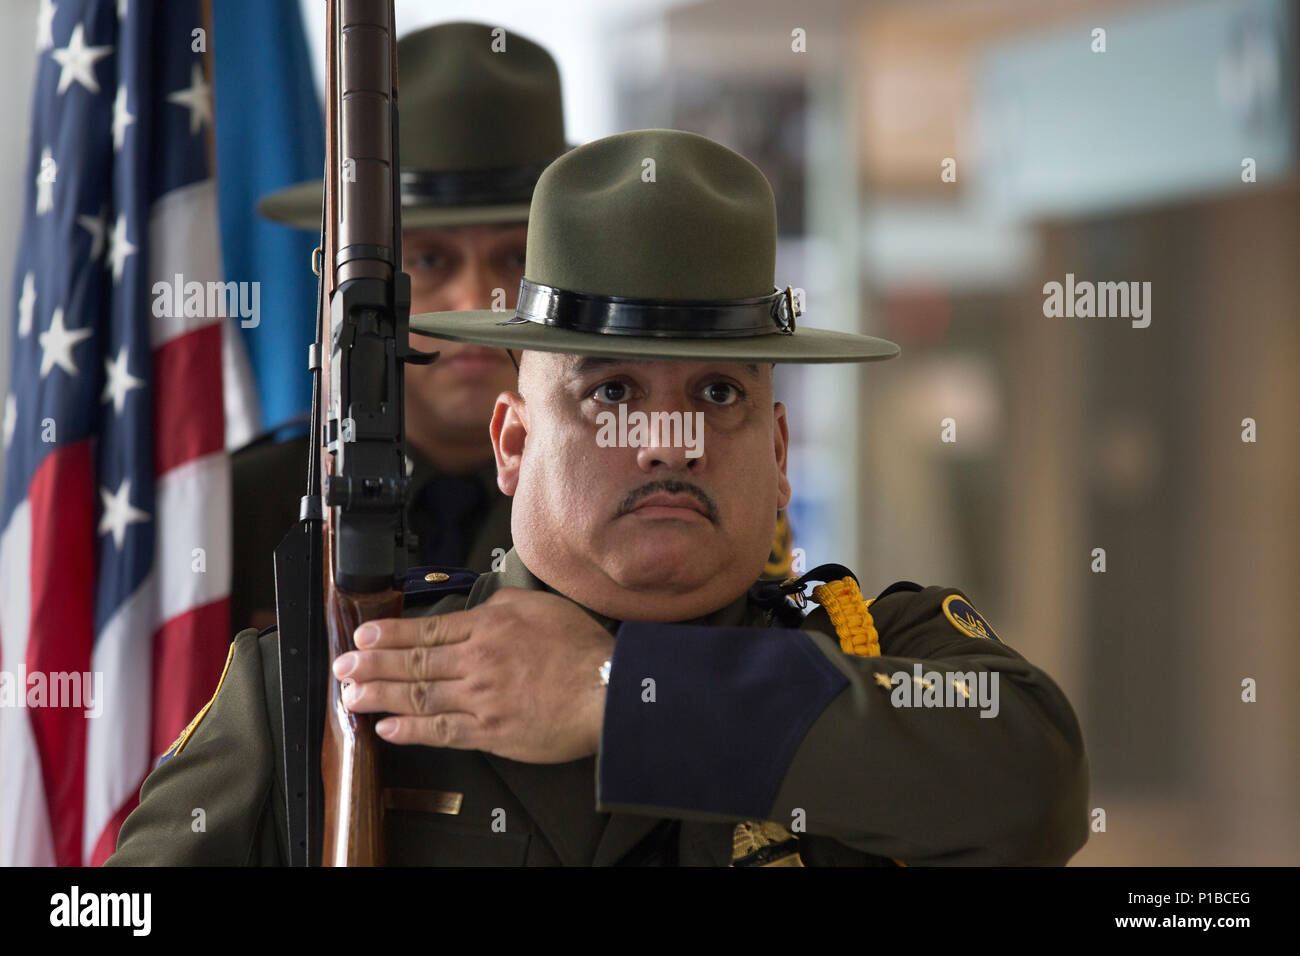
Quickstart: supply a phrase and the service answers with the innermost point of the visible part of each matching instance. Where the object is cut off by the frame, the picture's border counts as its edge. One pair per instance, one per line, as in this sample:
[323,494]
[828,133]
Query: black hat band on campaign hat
[616,315]
[471,187]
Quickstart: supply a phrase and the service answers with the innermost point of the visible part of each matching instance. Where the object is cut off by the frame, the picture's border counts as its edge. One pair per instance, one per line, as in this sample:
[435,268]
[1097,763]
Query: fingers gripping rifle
[345,561]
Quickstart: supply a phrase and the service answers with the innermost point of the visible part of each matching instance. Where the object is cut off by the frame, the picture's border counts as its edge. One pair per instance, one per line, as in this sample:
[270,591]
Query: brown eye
[429,261]
[721,393]
[610,393]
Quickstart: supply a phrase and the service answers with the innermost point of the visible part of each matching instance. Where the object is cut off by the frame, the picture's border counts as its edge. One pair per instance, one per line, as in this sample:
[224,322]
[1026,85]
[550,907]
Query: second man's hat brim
[299,205]
[501,330]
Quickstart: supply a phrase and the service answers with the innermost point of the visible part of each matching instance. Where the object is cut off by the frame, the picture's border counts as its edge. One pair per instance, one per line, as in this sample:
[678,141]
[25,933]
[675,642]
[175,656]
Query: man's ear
[781,445]
[509,430]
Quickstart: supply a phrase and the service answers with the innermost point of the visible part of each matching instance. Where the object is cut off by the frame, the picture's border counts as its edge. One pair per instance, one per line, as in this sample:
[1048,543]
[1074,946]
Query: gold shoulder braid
[850,615]
[764,843]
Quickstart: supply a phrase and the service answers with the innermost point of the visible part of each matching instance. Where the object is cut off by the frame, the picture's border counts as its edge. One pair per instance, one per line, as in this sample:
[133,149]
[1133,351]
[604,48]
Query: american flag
[114,525]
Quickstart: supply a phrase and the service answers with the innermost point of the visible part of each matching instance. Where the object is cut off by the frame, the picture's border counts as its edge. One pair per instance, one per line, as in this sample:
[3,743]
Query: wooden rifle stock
[354,825]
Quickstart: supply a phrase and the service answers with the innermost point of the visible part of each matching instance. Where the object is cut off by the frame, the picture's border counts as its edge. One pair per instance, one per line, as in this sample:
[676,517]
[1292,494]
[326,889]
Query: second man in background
[478,124]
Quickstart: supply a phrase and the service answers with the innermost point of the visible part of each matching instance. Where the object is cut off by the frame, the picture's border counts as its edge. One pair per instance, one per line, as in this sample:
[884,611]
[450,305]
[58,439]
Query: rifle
[344,562]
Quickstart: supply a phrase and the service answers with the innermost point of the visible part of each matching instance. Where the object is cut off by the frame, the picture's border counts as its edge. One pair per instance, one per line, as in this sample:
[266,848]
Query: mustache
[672,487]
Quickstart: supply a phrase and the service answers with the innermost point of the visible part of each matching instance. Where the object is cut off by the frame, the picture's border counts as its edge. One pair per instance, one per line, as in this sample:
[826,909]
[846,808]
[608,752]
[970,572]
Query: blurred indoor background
[1072,434]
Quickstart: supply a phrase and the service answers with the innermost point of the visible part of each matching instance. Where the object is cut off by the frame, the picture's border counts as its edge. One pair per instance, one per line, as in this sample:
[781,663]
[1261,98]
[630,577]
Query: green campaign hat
[654,244]
[479,117]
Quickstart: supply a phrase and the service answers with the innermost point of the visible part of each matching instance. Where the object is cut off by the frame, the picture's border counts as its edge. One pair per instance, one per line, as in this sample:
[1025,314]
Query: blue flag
[270,134]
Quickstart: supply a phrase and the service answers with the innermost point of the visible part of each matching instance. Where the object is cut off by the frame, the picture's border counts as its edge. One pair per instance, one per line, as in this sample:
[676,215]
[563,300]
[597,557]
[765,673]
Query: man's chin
[464,403]
[662,554]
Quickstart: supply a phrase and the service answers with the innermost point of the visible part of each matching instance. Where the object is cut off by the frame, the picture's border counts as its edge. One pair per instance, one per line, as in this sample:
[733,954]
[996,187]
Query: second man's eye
[429,261]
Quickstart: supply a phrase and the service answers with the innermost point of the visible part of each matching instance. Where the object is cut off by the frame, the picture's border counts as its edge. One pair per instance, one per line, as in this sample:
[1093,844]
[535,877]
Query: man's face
[644,533]
[449,403]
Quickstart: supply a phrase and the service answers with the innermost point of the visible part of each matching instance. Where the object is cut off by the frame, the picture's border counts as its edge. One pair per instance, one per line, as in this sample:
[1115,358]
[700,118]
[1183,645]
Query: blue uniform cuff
[716,730]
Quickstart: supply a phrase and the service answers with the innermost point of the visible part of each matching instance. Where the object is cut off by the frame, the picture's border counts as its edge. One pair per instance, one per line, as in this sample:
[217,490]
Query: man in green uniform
[626,690]
[481,117]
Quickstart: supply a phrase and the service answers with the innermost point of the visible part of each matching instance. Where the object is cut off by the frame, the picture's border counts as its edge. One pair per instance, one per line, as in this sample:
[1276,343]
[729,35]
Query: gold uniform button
[434,577]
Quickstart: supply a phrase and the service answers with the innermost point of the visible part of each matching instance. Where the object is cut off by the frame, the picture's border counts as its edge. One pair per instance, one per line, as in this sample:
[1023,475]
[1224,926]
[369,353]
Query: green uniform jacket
[747,721]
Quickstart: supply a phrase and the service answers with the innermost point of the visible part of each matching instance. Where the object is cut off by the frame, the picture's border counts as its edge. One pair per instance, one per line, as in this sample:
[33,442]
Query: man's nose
[471,287]
[675,440]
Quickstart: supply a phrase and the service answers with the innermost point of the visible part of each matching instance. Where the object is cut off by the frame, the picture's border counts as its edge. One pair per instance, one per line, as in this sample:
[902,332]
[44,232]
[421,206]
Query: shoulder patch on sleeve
[963,616]
[429,584]
[179,743]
